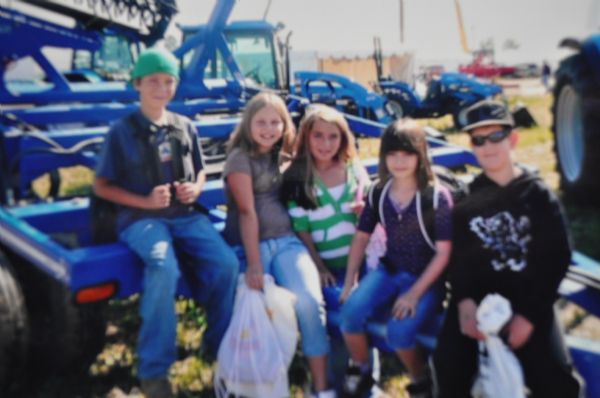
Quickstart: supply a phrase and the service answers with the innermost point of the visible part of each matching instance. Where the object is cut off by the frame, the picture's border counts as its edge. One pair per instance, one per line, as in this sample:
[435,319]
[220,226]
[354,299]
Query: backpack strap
[420,217]
[376,198]
[426,203]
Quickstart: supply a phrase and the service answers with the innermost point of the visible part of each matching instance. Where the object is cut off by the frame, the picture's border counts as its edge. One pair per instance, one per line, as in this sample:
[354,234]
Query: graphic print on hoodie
[506,236]
[510,240]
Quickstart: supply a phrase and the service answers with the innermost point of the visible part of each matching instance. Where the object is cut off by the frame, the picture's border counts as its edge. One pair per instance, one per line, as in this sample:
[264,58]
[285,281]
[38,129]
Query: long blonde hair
[303,167]
[242,138]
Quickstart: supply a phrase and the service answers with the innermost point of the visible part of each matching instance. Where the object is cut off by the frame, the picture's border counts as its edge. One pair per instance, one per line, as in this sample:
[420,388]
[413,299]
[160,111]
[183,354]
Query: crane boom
[461,28]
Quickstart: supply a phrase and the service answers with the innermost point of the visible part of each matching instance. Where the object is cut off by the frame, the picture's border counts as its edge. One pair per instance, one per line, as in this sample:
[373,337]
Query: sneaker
[420,389]
[157,388]
[356,383]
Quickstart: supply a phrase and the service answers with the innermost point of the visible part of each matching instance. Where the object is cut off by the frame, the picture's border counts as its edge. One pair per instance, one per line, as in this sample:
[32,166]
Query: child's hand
[186,192]
[357,207]
[345,292]
[519,331]
[254,277]
[467,310]
[405,306]
[160,197]
[327,278]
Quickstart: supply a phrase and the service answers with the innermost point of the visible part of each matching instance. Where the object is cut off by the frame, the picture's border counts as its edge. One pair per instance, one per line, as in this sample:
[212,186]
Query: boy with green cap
[151,167]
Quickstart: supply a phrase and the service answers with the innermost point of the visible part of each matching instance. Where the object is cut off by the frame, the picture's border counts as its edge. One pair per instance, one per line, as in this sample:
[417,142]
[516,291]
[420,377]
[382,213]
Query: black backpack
[427,200]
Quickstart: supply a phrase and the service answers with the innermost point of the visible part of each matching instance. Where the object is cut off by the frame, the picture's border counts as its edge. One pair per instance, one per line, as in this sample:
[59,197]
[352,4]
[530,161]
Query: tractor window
[255,57]
[113,61]
[217,68]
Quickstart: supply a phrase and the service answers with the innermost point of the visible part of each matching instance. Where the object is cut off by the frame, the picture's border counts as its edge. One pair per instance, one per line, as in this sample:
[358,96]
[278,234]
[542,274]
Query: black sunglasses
[496,136]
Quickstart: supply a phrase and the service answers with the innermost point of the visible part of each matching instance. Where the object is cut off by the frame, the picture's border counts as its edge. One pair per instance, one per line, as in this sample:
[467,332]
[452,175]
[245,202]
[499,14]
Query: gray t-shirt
[273,218]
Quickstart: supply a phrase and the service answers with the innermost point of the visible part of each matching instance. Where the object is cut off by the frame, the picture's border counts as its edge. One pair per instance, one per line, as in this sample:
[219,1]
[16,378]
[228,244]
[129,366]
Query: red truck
[483,66]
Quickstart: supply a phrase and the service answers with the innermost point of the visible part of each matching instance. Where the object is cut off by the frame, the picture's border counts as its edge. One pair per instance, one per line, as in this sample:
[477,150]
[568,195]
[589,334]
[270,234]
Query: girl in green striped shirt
[323,190]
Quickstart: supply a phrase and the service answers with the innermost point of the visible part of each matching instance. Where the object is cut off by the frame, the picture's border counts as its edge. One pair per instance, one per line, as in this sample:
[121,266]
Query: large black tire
[14,328]
[576,128]
[65,337]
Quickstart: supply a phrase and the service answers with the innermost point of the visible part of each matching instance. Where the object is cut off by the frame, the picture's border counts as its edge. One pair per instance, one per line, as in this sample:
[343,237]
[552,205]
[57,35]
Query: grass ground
[114,373]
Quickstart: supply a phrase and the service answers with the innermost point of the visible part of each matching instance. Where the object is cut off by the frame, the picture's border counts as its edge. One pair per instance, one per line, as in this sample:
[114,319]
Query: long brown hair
[408,136]
[302,169]
[242,138]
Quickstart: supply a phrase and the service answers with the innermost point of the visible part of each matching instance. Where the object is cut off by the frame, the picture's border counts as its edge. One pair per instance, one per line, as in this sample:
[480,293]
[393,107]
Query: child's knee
[308,306]
[402,335]
[229,265]
[163,273]
[351,319]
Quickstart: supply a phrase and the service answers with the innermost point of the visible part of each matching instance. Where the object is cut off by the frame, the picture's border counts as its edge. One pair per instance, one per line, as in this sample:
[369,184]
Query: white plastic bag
[500,374]
[377,247]
[250,363]
[280,307]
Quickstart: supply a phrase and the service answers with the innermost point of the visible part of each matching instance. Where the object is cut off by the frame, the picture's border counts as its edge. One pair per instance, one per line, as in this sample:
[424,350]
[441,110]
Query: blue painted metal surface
[34,34]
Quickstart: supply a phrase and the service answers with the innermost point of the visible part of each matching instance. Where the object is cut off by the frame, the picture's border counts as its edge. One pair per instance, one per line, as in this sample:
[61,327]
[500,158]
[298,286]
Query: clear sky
[431,28]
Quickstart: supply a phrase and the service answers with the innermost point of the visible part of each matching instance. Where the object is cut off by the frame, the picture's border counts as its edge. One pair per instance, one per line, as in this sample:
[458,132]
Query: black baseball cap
[486,113]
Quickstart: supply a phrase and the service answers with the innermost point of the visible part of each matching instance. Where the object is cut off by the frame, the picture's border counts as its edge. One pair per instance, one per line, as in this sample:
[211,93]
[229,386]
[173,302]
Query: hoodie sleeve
[461,268]
[548,258]
[465,259]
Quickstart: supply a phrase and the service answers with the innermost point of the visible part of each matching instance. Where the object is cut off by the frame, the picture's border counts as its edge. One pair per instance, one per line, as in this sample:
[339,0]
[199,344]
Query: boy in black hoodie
[510,238]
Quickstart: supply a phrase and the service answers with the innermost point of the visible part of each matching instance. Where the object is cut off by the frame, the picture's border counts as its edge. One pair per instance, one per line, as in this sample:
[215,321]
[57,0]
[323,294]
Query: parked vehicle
[485,66]
[528,70]
[576,125]
[447,93]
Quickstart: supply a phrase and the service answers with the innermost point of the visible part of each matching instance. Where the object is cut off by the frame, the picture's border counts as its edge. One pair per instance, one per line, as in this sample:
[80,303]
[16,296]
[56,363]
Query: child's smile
[266,128]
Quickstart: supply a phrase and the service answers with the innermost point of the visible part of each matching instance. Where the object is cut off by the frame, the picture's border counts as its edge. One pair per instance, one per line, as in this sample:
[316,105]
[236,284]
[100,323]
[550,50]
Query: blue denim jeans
[377,291]
[214,266]
[288,261]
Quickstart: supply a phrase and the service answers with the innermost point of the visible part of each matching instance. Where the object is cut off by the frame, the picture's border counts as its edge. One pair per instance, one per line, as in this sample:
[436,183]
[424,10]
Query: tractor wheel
[395,109]
[457,119]
[14,328]
[576,129]
[65,337]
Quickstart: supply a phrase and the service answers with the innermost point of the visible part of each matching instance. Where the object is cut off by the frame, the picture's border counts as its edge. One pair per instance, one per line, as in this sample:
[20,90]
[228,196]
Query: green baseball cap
[155,60]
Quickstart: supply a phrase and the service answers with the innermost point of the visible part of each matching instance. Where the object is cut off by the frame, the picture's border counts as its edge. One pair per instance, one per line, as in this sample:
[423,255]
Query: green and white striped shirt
[332,224]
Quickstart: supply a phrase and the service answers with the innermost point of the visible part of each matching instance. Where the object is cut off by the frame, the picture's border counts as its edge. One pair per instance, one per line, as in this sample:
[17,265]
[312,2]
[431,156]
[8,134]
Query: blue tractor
[576,127]
[447,94]
[264,60]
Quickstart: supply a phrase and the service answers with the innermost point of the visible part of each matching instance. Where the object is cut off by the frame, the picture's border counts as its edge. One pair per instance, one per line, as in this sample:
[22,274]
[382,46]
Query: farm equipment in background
[263,58]
[103,49]
[576,120]
[257,49]
[448,93]
[54,279]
